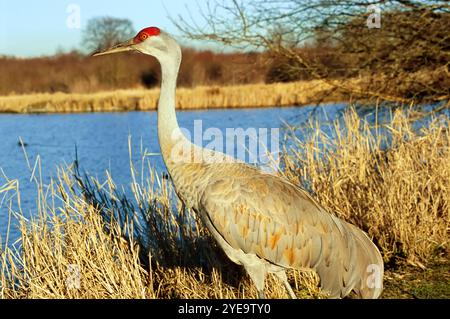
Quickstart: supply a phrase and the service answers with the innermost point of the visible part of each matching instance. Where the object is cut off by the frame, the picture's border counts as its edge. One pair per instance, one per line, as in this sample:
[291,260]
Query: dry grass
[400,196]
[150,249]
[201,97]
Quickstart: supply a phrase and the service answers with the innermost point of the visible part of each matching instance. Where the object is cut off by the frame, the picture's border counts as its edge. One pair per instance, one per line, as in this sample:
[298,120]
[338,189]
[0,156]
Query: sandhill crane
[260,220]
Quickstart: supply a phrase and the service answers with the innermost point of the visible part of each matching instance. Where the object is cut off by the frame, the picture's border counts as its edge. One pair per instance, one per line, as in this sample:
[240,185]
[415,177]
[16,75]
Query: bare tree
[102,32]
[406,57]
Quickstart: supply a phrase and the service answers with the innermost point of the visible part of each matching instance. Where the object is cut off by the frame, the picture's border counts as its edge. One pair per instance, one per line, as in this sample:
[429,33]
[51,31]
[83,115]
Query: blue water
[101,140]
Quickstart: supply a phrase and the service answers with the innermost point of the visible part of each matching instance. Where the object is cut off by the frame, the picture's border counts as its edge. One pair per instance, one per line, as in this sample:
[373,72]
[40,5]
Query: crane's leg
[258,275]
[261,294]
[282,276]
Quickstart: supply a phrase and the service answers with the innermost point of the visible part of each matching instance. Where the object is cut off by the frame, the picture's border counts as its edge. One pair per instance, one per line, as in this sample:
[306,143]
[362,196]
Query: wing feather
[266,215]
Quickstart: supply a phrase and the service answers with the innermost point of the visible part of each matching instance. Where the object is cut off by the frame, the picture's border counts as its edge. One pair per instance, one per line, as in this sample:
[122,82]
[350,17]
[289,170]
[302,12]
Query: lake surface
[101,140]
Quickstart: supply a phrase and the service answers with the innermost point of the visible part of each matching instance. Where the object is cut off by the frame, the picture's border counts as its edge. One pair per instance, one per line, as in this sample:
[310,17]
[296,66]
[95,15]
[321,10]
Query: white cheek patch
[157,43]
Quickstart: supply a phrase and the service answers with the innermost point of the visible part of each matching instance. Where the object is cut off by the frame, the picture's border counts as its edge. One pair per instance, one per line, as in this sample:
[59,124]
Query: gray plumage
[261,221]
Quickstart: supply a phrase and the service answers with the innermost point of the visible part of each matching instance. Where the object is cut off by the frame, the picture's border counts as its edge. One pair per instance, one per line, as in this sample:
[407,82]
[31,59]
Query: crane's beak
[121,47]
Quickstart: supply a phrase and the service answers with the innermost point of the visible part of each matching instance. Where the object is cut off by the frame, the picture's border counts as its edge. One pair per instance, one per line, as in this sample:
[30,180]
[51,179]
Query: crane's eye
[143,36]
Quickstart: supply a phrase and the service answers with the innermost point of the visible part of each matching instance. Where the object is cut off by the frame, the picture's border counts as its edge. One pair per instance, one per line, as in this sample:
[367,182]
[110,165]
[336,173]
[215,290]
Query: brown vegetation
[398,195]
[200,97]
[76,73]
[405,56]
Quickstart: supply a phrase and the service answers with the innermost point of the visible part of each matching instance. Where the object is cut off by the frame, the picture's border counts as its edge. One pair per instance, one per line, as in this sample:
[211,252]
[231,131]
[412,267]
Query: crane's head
[150,41]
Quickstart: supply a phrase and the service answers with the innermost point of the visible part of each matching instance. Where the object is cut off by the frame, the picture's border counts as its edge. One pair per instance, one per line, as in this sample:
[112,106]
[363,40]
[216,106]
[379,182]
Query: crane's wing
[266,215]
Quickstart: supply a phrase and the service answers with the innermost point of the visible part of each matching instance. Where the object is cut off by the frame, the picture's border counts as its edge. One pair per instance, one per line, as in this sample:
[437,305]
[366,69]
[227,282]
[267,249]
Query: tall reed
[391,180]
[200,97]
[88,240]
[97,243]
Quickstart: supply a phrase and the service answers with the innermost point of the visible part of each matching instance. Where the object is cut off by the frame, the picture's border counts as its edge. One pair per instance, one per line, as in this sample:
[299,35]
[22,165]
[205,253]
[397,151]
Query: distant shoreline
[197,98]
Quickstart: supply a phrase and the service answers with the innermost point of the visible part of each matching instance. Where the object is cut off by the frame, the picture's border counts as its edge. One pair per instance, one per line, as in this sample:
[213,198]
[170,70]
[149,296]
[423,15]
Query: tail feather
[371,271]
[354,264]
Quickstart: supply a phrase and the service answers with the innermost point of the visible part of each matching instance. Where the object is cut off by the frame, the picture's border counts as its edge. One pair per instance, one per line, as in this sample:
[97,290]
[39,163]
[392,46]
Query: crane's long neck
[169,133]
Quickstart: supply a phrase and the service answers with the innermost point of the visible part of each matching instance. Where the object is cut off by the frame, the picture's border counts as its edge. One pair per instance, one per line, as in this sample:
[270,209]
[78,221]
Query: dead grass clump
[100,244]
[400,195]
[200,97]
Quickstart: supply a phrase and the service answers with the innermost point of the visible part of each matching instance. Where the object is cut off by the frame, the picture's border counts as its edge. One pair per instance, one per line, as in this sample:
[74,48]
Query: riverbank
[201,97]
[97,243]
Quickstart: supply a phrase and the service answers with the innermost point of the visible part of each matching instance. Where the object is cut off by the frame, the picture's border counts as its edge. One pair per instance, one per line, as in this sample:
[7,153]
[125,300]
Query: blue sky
[34,28]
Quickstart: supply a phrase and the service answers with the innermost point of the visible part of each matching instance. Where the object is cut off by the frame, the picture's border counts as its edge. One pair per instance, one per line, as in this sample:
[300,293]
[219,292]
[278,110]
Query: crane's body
[260,220]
